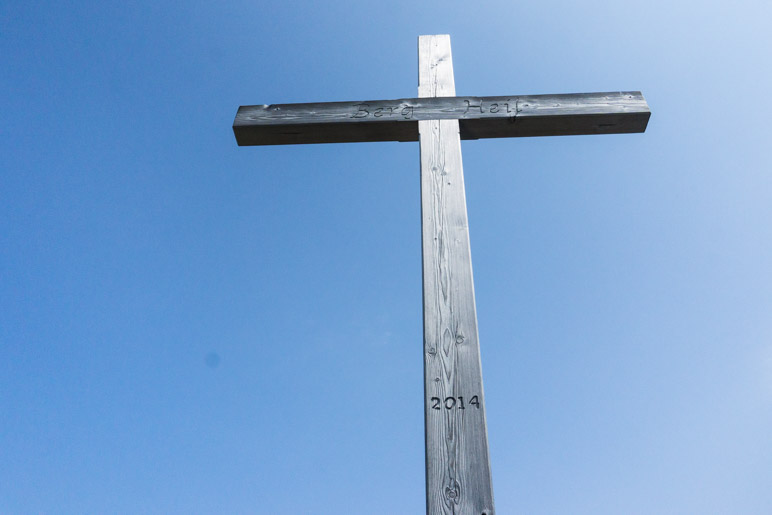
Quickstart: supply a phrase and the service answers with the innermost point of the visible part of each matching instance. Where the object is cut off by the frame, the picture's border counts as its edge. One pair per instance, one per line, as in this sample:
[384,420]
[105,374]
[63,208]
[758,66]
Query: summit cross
[458,473]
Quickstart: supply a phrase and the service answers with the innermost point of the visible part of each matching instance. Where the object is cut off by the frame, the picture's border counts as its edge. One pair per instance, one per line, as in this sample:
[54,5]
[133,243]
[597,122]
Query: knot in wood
[453,491]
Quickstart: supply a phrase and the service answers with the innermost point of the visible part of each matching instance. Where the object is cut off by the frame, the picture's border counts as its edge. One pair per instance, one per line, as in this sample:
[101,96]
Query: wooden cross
[458,474]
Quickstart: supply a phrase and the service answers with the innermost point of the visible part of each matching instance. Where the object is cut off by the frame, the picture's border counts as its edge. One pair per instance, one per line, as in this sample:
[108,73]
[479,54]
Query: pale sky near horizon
[187,326]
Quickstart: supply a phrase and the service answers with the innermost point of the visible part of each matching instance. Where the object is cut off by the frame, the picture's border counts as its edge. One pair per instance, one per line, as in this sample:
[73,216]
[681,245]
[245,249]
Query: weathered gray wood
[458,475]
[479,117]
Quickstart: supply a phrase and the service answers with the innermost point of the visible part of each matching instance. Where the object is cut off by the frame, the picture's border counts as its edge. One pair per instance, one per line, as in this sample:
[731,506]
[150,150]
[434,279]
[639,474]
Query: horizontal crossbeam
[479,117]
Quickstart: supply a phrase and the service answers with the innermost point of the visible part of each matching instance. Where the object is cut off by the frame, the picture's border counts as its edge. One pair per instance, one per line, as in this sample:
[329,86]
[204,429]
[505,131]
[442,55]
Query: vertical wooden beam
[458,476]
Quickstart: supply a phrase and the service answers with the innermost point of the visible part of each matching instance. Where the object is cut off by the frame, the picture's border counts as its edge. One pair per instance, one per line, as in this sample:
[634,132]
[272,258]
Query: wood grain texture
[458,476]
[479,117]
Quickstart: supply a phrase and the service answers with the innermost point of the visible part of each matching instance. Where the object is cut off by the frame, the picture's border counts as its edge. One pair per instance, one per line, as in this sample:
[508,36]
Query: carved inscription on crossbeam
[408,111]
[509,106]
[366,110]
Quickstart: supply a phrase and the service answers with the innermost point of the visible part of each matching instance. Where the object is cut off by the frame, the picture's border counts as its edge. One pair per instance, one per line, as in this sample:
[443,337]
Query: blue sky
[187,326]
